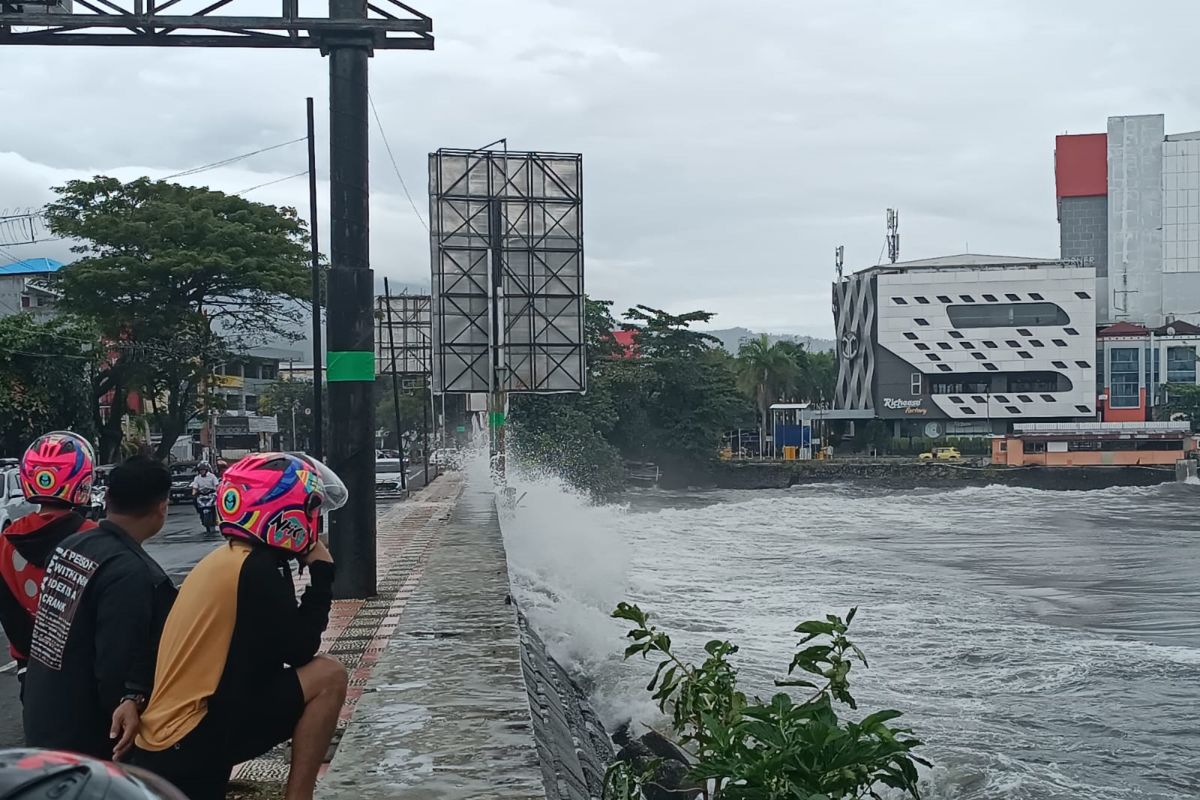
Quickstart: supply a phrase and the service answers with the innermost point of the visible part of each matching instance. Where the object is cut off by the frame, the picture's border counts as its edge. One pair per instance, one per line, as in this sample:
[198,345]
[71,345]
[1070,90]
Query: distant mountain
[732,338]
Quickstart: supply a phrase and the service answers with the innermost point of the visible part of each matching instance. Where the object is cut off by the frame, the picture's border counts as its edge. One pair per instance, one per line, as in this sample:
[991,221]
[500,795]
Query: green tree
[780,748]
[283,397]
[187,274]
[664,335]
[45,382]
[1182,401]
[412,406]
[767,372]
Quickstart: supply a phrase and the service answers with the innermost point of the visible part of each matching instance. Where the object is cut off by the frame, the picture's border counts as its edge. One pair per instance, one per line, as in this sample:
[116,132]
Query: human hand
[319,553]
[125,723]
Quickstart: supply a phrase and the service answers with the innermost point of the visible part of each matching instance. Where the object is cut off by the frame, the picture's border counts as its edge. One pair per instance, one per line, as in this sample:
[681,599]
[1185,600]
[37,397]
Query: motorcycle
[206,505]
[99,499]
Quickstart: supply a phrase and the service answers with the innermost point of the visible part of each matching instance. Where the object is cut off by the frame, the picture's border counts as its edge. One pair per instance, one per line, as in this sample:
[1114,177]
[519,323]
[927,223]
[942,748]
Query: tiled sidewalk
[360,629]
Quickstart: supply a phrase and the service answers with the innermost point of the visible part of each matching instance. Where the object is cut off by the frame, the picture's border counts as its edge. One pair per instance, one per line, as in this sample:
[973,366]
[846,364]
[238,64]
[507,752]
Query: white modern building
[26,288]
[967,344]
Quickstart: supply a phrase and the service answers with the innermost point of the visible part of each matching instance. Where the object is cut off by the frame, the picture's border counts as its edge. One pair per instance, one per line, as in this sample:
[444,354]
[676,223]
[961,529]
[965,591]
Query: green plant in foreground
[752,749]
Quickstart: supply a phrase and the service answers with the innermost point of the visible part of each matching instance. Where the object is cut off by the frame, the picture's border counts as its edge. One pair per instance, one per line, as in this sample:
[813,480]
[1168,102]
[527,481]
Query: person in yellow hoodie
[238,671]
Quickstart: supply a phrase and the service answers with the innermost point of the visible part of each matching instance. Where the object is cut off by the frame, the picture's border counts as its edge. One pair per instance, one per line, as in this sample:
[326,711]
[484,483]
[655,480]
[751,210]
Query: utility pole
[318,409]
[348,36]
[351,367]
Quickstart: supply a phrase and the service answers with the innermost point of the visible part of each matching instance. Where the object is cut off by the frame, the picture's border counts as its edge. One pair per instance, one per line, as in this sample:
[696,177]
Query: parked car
[13,504]
[941,454]
[182,473]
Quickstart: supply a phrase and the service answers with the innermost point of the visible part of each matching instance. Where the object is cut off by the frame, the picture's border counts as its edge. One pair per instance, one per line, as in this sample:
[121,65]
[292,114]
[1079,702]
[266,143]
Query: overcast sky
[728,147]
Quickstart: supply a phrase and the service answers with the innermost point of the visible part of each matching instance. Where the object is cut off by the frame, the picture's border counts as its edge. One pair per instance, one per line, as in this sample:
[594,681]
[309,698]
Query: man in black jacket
[99,619]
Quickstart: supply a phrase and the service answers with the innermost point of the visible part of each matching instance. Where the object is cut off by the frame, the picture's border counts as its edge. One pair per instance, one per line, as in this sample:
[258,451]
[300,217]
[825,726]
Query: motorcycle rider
[238,670]
[204,482]
[56,472]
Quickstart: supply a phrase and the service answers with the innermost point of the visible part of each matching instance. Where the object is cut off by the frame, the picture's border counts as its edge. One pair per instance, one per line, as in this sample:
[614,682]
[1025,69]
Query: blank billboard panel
[507,239]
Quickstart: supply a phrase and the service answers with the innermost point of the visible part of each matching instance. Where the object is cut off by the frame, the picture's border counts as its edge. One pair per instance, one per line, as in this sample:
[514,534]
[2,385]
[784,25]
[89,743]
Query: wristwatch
[138,699]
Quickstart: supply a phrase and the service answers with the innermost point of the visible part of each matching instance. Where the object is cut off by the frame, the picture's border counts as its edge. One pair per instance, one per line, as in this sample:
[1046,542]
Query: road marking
[9,667]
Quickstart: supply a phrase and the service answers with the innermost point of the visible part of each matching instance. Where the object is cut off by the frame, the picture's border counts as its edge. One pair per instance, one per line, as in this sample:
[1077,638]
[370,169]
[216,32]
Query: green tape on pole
[496,419]
[349,365]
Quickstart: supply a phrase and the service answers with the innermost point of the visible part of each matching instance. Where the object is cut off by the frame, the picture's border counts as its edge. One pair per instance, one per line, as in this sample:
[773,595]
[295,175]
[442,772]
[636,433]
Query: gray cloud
[729,147]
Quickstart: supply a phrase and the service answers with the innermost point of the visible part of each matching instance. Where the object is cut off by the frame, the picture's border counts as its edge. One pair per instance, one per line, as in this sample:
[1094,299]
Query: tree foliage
[189,273]
[283,397]
[45,382]
[1182,401]
[779,748]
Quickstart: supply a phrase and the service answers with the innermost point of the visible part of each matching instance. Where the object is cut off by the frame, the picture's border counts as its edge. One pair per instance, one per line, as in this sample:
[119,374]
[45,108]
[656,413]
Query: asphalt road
[177,548]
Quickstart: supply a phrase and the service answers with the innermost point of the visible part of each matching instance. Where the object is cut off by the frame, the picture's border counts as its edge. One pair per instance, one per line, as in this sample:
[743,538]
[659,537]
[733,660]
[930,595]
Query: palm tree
[766,372]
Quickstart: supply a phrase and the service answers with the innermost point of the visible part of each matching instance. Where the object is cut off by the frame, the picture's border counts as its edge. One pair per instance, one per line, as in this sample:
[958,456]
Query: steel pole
[318,409]
[351,357]
[387,294]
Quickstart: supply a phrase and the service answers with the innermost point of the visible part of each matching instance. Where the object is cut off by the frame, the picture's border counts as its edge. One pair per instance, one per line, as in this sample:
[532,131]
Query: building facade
[1129,203]
[1093,444]
[26,288]
[967,345]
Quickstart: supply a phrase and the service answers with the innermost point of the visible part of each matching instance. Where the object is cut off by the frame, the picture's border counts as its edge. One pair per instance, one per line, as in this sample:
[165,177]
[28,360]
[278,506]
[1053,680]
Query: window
[921,322]
[1036,342]
[970,411]
[1083,365]
[1070,332]
[922,346]
[1059,364]
[966,345]
[1083,409]
[251,402]
[1003,446]
[269,372]
[933,356]
[1059,343]
[922,300]
[910,336]
[989,345]
[1013,297]
[1124,370]
[966,298]
[990,367]
[1024,398]
[1007,315]
[1083,295]
[1028,382]
[991,298]
[944,345]
[978,398]
[1012,409]
[955,335]
[956,400]
[1181,365]
[915,384]
[1001,398]
[1035,296]
[1024,354]
[1093,445]
[26,301]
[1024,332]
[1049,398]
[978,355]
[900,301]
[944,367]
[1035,447]
[943,298]
[1013,344]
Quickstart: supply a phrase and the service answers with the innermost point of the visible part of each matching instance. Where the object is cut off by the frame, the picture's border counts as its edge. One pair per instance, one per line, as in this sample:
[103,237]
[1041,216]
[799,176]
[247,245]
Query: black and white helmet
[53,775]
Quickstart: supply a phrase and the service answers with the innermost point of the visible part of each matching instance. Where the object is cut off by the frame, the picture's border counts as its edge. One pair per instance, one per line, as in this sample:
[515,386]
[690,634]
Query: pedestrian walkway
[360,629]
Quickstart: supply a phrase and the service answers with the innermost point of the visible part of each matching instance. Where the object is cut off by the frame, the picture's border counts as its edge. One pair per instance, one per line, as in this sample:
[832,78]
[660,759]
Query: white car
[13,504]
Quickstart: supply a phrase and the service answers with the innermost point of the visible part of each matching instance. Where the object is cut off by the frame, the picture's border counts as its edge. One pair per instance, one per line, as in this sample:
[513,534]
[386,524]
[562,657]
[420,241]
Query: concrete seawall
[463,701]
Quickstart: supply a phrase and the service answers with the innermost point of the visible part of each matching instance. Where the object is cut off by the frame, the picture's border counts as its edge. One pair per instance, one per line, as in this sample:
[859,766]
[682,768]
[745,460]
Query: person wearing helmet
[101,610]
[27,774]
[238,671]
[56,473]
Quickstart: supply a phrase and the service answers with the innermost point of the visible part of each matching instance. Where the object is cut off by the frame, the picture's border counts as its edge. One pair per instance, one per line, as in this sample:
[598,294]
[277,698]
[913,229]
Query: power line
[272,183]
[395,167]
[226,162]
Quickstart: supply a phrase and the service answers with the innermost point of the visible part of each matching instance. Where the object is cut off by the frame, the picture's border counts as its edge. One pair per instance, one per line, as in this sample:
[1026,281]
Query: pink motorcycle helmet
[57,469]
[275,499]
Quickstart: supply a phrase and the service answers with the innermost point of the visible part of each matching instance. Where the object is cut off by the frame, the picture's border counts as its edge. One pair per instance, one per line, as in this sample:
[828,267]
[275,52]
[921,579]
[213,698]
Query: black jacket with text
[95,639]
